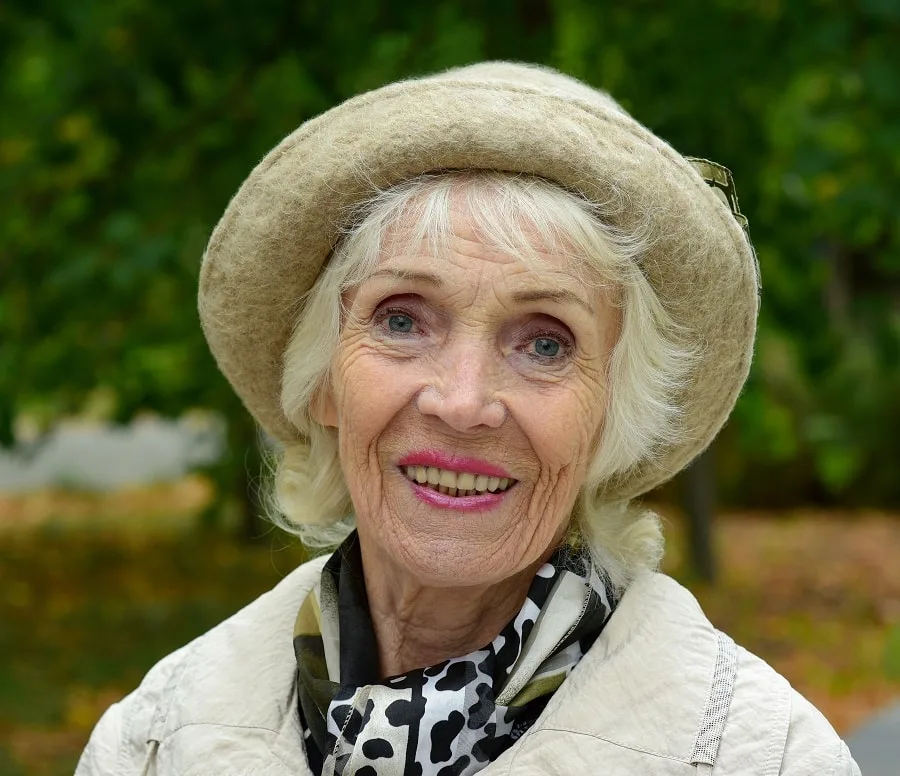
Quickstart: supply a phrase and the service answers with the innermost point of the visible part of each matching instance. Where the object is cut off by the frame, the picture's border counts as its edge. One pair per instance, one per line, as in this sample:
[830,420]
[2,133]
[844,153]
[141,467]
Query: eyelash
[565,344]
[382,315]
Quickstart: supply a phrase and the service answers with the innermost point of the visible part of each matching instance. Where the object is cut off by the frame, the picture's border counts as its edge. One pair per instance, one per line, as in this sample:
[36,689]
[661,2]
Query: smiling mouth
[453,483]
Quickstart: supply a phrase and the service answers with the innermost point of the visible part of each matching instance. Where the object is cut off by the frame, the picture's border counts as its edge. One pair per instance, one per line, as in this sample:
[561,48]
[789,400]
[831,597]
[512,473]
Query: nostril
[462,407]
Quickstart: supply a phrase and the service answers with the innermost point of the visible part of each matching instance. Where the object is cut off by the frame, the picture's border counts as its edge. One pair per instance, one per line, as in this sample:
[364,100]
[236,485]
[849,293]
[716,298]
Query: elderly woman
[481,311]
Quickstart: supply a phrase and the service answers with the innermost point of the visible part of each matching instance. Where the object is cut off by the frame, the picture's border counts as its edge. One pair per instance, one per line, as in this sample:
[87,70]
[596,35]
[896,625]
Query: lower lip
[461,503]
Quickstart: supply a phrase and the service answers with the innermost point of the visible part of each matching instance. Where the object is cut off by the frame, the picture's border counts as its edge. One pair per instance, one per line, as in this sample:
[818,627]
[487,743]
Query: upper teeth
[456,483]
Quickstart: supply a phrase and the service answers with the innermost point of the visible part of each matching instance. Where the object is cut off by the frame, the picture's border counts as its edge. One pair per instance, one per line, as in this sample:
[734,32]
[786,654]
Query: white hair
[519,215]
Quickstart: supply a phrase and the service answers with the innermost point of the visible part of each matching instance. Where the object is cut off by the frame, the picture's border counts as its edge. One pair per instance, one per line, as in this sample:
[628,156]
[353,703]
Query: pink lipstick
[456,463]
[478,503]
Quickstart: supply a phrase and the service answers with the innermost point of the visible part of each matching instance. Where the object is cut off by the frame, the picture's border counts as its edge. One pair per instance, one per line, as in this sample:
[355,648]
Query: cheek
[370,393]
[563,430]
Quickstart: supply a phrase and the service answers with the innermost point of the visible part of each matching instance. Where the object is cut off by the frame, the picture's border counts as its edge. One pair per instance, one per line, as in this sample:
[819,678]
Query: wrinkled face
[468,394]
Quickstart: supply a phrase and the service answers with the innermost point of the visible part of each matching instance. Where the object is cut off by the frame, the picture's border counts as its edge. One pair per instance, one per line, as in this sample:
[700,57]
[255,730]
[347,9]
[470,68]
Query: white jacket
[661,692]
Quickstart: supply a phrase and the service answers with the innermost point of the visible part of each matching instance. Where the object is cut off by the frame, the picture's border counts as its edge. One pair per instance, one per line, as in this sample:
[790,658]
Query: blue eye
[546,347]
[399,323]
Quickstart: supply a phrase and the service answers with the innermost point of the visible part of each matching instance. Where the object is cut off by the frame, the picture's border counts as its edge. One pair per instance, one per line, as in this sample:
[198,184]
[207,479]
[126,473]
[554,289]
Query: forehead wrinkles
[473,273]
[469,268]
[406,249]
[431,237]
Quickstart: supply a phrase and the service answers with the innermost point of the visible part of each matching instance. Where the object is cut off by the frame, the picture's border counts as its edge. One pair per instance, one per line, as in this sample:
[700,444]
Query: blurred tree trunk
[237,478]
[698,495]
[246,486]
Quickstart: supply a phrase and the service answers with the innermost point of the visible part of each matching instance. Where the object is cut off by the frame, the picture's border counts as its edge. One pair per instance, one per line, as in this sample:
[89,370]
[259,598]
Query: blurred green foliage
[127,125]
[892,654]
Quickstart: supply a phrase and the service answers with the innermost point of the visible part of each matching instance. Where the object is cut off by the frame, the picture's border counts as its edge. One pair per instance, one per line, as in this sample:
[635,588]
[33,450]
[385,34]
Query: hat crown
[535,77]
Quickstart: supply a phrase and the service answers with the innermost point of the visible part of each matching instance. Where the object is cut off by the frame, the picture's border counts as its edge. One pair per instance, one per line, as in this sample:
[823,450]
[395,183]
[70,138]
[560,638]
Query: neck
[417,625]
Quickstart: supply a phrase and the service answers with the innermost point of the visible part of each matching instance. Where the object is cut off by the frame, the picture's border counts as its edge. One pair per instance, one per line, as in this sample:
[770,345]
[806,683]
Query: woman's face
[471,371]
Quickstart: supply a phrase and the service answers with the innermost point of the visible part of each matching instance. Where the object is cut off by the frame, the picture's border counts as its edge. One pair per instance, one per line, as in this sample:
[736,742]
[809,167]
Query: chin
[456,565]
[448,561]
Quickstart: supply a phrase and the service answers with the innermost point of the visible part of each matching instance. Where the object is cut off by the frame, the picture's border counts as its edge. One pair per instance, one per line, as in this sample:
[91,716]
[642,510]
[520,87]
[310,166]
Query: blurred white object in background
[90,455]
[876,745]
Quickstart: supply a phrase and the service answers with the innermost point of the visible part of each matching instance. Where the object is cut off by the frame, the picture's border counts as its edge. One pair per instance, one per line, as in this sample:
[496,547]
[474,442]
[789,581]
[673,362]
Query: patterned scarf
[450,719]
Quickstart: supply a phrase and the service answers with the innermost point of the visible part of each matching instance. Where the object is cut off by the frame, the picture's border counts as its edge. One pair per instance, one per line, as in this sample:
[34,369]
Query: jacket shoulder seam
[226,725]
[718,702]
[781,724]
[619,744]
[161,714]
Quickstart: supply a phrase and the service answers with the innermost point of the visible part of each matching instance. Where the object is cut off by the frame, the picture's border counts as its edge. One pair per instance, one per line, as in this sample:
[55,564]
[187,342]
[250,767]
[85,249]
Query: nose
[463,391]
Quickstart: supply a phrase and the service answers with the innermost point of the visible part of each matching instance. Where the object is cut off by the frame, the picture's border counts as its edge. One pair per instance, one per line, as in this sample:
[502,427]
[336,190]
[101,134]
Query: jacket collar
[643,685]
[241,676]
[646,682]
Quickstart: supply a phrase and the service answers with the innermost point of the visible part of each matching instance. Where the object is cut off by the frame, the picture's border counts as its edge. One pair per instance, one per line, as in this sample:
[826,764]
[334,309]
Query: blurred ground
[97,588]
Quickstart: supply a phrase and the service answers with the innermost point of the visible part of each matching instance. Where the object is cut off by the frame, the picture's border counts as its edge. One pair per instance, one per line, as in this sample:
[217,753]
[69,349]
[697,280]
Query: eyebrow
[562,296]
[559,296]
[404,274]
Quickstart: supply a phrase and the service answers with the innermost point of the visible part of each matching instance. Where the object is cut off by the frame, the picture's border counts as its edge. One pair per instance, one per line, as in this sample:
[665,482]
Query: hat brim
[279,229]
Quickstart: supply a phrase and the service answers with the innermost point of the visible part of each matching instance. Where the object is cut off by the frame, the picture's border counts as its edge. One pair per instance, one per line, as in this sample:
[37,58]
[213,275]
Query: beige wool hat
[280,228]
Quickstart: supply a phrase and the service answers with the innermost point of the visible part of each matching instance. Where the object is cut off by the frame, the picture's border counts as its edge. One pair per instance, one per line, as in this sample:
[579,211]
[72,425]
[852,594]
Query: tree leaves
[127,126]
